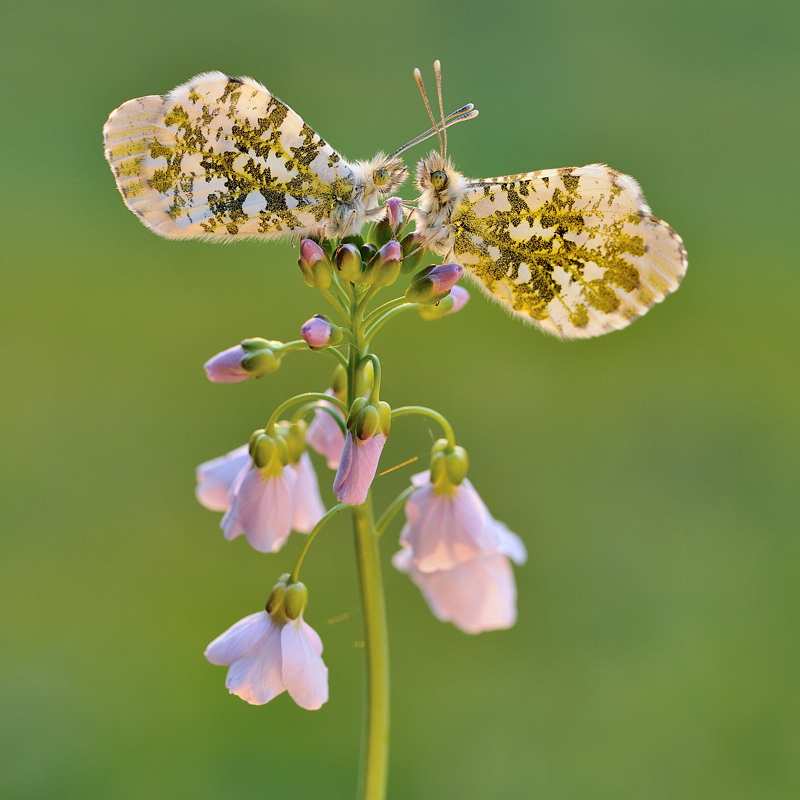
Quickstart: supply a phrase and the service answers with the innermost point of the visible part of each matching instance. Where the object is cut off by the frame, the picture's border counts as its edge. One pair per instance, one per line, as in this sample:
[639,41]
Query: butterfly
[574,251]
[223,158]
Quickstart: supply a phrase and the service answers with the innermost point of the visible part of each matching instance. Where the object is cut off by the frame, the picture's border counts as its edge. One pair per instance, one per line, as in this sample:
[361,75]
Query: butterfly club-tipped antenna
[454,117]
[437,71]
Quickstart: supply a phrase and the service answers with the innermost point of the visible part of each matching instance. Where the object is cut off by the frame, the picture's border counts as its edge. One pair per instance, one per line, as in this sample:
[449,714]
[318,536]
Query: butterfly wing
[575,251]
[222,157]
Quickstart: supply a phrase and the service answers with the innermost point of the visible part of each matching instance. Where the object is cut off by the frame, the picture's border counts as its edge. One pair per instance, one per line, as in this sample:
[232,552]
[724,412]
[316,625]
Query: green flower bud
[380,233]
[261,363]
[339,382]
[368,252]
[366,423]
[384,417]
[296,440]
[355,409]
[295,600]
[413,252]
[253,438]
[263,450]
[457,465]
[348,263]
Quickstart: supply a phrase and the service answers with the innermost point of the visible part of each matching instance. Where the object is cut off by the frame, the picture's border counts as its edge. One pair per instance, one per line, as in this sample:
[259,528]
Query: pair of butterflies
[574,251]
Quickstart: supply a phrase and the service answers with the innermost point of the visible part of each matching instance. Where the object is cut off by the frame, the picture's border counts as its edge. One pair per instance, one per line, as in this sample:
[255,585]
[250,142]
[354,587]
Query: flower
[216,477]
[270,654]
[367,428]
[308,508]
[446,528]
[477,595]
[325,435]
[357,468]
[394,212]
[262,508]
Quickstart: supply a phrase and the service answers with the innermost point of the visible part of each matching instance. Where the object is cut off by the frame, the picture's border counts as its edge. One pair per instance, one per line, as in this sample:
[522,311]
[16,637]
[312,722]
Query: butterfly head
[438,180]
[382,177]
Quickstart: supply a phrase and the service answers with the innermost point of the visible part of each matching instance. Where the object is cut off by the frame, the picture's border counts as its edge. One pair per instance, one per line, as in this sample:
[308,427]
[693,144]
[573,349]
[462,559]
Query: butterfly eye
[380,177]
[439,179]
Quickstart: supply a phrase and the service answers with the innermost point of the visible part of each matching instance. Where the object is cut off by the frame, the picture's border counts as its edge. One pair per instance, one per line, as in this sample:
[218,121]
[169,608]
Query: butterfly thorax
[380,178]
[442,188]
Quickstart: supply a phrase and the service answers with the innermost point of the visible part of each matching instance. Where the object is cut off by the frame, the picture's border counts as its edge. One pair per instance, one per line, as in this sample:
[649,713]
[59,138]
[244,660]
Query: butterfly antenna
[437,71]
[418,79]
[465,112]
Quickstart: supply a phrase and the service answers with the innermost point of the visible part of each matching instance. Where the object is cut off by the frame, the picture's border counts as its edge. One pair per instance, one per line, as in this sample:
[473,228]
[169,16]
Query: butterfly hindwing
[575,251]
[221,157]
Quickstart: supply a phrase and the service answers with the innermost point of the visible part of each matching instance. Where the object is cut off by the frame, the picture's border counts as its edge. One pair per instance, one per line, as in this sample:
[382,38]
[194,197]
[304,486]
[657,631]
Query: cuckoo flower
[325,435]
[367,428]
[262,505]
[274,651]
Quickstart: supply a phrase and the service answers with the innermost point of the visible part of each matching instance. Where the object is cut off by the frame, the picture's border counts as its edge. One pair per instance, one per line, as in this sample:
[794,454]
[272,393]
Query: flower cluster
[452,547]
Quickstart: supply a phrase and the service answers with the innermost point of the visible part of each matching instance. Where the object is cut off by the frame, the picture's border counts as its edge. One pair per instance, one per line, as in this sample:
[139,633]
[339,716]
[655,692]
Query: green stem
[375,394]
[404,411]
[391,510]
[375,747]
[373,315]
[311,536]
[304,398]
[303,410]
[381,321]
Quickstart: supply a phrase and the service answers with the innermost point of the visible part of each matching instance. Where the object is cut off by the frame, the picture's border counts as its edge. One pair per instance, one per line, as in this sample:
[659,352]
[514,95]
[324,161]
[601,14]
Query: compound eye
[380,177]
[439,179]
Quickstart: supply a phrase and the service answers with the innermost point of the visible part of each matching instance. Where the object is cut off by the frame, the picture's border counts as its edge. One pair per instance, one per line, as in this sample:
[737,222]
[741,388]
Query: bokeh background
[653,473]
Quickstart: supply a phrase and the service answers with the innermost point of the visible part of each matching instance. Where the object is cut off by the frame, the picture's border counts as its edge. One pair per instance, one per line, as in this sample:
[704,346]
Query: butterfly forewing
[575,250]
[221,157]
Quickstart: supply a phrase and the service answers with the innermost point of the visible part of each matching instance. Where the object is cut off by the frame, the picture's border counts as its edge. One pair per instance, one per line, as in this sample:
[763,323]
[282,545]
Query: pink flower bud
[226,367]
[445,276]
[394,212]
[357,468]
[390,253]
[317,331]
[310,253]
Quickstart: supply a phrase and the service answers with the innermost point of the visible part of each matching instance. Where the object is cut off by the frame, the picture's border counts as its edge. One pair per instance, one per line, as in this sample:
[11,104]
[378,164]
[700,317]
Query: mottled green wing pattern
[221,157]
[575,251]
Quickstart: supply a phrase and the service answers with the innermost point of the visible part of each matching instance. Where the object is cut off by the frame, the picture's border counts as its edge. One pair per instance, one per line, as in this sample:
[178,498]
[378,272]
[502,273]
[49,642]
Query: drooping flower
[367,428]
[270,652]
[477,595]
[215,478]
[446,525]
[450,304]
[325,435]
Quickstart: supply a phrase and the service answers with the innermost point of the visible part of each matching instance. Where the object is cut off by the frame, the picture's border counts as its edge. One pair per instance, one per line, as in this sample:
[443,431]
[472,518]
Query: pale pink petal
[460,297]
[304,672]
[313,637]
[238,639]
[509,544]
[257,676]
[226,367]
[479,595]
[262,510]
[215,478]
[325,436]
[308,506]
[357,468]
[445,530]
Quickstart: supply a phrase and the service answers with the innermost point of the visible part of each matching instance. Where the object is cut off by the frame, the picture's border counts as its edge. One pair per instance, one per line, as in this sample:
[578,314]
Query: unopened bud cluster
[449,466]
[287,600]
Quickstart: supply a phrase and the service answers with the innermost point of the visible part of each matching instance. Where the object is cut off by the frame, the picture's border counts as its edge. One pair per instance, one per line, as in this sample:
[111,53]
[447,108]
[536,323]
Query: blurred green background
[653,473]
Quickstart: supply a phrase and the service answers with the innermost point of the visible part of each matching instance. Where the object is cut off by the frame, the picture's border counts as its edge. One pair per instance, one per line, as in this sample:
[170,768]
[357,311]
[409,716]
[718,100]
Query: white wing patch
[574,251]
[221,157]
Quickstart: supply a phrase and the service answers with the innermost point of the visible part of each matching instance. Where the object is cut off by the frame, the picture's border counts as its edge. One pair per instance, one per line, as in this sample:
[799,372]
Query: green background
[652,473]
